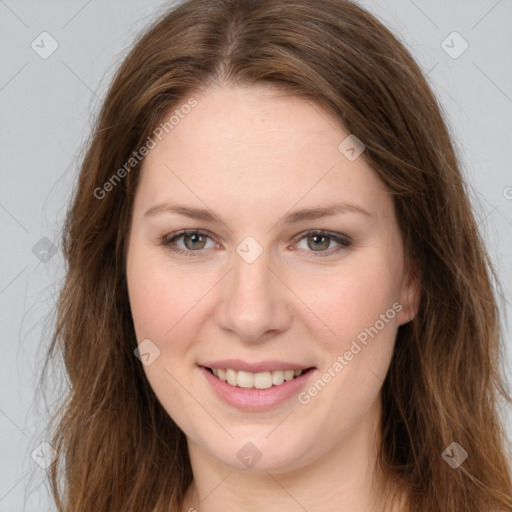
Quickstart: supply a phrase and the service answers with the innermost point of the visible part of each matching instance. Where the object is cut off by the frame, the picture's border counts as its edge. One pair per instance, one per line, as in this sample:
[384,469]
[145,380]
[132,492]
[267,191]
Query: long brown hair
[117,447]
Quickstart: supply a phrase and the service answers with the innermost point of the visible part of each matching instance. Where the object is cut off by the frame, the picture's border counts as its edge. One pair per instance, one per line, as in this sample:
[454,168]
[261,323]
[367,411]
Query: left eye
[195,240]
[321,240]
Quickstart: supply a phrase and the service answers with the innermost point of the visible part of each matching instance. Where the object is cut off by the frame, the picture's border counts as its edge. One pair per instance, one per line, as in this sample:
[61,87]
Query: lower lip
[251,399]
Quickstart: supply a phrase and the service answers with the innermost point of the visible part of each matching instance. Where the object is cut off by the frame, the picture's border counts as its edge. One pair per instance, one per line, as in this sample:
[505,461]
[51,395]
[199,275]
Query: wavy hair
[117,447]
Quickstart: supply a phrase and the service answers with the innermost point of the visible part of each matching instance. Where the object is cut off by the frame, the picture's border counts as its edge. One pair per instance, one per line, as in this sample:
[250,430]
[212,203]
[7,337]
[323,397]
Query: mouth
[259,380]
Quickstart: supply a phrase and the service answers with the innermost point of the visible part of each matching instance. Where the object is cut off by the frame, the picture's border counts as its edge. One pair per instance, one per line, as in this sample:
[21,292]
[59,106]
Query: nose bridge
[254,299]
[251,278]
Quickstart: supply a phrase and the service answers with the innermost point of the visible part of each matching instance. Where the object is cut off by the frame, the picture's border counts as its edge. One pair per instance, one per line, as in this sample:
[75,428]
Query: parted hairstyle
[117,448]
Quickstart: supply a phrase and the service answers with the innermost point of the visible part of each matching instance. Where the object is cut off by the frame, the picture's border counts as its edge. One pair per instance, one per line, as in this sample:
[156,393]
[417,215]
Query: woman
[277,295]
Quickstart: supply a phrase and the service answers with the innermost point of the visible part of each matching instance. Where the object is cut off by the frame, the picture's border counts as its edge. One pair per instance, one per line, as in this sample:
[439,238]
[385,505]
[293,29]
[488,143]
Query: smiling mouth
[260,380]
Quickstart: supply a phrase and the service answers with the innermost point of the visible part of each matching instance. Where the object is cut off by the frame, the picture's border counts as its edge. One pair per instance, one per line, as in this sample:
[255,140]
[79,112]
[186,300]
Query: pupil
[195,238]
[317,238]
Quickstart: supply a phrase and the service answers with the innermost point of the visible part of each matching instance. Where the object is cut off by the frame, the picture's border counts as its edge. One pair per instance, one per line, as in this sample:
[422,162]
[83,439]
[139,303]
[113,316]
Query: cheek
[162,310]
[148,302]
[159,296]
[358,309]
[353,299]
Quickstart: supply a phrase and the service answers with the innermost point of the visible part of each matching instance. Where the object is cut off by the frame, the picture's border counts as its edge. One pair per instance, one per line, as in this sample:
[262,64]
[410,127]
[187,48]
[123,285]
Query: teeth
[277,378]
[231,377]
[262,380]
[289,374]
[245,379]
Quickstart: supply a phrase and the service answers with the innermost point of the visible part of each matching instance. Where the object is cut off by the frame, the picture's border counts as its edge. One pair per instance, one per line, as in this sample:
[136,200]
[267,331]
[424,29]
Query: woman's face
[258,290]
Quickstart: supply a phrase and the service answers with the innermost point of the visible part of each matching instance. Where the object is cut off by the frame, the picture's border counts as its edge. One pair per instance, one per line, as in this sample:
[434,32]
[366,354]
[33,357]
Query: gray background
[46,107]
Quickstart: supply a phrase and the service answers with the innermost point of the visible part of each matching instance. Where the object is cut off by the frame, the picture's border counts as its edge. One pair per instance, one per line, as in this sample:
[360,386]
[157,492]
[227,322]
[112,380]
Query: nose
[254,301]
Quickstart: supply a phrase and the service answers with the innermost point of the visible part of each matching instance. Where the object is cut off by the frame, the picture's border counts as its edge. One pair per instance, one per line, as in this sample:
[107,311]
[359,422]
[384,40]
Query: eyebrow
[290,218]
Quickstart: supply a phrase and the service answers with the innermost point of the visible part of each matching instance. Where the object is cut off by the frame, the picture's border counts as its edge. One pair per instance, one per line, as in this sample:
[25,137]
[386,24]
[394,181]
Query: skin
[252,155]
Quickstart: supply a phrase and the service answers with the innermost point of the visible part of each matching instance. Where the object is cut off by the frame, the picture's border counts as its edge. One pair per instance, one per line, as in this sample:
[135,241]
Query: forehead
[254,144]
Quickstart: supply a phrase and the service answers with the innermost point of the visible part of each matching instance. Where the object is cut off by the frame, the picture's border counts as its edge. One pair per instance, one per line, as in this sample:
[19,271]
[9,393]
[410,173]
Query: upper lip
[263,366]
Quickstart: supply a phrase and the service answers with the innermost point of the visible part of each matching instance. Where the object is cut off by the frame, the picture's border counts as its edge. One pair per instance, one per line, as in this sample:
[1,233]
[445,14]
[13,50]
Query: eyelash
[343,240]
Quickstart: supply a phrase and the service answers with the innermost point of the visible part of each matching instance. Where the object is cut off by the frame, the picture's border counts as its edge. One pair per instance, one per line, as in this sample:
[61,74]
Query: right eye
[194,240]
